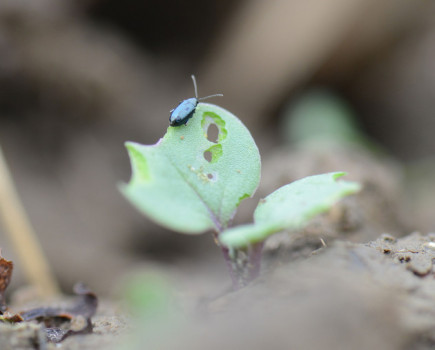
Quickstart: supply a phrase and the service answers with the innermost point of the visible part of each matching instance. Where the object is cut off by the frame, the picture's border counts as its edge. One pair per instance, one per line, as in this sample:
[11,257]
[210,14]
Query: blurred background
[79,78]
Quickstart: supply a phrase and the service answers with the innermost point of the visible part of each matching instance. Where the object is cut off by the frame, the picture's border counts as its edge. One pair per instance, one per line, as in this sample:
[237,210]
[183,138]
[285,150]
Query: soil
[107,325]
[377,295]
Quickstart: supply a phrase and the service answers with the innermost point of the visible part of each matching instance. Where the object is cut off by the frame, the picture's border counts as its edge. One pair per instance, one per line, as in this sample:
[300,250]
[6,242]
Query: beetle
[184,111]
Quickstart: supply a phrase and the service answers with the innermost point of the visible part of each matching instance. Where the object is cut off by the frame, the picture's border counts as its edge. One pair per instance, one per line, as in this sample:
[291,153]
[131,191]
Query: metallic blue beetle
[184,111]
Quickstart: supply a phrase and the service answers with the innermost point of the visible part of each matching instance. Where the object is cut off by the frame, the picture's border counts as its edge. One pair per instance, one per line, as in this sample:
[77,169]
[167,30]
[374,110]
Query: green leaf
[321,118]
[175,185]
[290,207]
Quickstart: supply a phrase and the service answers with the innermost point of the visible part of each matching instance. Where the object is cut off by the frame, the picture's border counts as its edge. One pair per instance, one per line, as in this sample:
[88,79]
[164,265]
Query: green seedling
[193,182]
[320,119]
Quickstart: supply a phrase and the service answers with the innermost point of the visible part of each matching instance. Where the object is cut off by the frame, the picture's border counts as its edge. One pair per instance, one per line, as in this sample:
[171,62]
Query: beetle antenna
[194,85]
[203,98]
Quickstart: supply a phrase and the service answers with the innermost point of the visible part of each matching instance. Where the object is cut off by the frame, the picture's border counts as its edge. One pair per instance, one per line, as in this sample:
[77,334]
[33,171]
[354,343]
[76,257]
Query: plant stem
[231,269]
[243,264]
[24,239]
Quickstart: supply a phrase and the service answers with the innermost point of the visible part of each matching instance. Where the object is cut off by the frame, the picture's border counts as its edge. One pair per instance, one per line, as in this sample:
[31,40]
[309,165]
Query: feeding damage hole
[214,127]
[208,156]
[213,153]
[213,133]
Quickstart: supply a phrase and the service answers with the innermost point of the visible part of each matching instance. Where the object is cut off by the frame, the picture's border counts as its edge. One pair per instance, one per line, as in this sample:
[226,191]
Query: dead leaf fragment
[6,268]
[61,322]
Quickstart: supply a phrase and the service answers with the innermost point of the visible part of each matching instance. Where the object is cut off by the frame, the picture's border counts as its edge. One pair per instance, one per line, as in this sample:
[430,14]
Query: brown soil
[378,295]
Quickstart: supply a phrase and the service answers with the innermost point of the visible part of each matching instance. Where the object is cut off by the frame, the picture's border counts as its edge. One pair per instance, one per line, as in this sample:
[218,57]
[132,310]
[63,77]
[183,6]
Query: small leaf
[290,207]
[187,182]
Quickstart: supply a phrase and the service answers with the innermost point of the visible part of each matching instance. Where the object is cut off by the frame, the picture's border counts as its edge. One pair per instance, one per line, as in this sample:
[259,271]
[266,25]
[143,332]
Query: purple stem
[243,264]
[231,269]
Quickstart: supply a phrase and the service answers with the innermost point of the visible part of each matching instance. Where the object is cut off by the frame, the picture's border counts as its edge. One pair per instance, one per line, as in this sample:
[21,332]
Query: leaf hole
[207,156]
[213,133]
[214,127]
[213,153]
